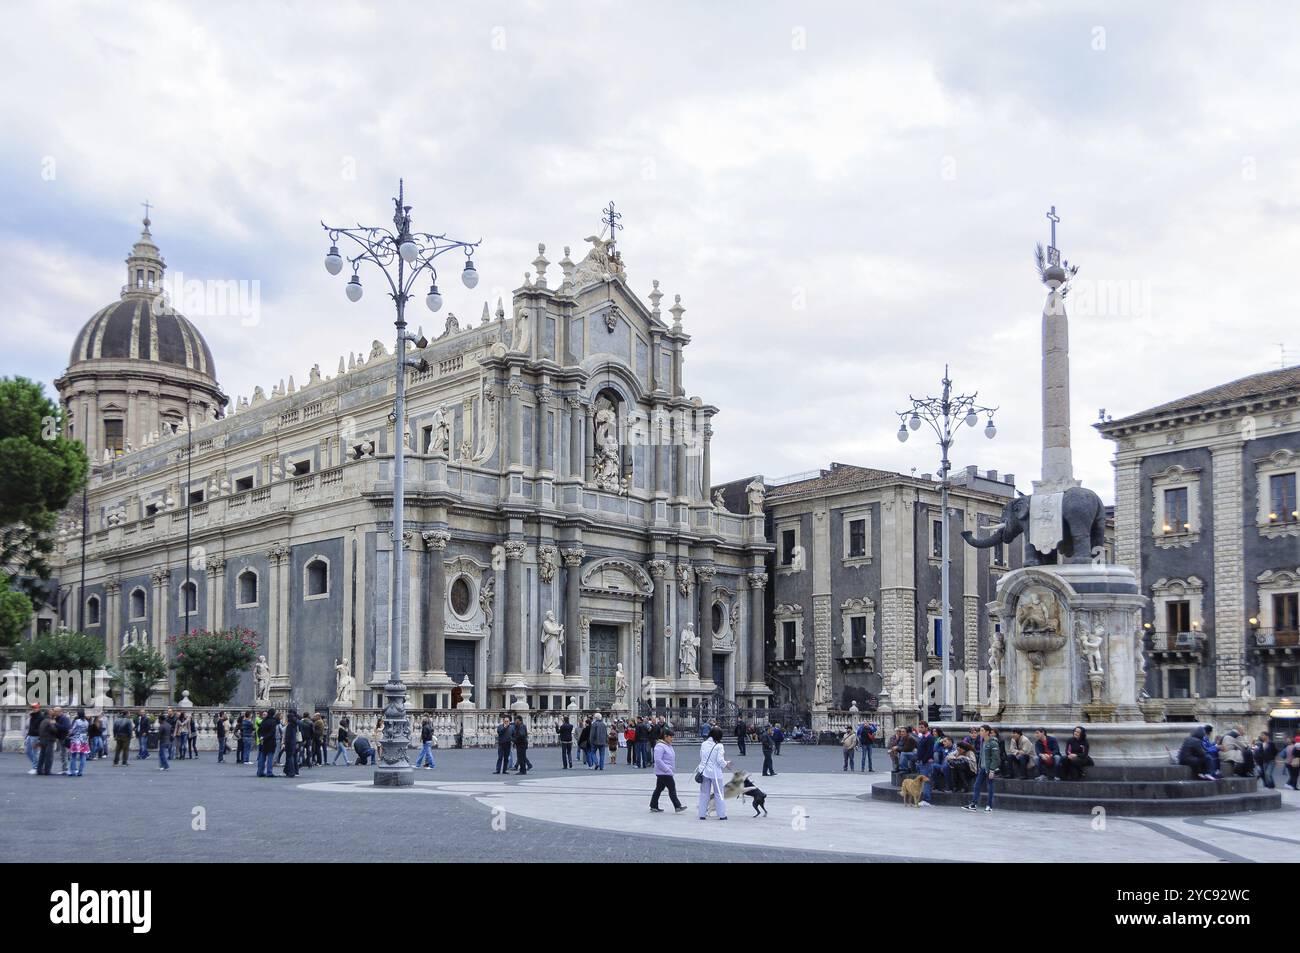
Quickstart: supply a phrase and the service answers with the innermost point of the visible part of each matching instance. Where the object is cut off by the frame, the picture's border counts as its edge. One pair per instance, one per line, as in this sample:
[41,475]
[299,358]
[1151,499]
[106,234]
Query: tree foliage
[208,663]
[63,650]
[40,471]
[15,617]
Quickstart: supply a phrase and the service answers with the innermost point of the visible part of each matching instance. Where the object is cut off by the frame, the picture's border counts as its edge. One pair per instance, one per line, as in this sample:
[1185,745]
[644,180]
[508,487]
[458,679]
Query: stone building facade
[1206,515]
[555,465]
[855,585]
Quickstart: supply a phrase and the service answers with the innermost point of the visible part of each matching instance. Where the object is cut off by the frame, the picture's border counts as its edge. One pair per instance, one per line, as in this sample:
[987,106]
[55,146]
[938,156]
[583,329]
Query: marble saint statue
[620,687]
[686,654]
[262,681]
[552,639]
[344,684]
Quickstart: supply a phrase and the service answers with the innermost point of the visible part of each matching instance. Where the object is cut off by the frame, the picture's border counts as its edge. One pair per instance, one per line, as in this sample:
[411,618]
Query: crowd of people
[1232,754]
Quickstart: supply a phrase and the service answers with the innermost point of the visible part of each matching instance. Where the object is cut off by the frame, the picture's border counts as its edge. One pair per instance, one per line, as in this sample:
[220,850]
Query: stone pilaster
[1229,571]
[1128,510]
[702,615]
[216,567]
[659,623]
[435,616]
[112,617]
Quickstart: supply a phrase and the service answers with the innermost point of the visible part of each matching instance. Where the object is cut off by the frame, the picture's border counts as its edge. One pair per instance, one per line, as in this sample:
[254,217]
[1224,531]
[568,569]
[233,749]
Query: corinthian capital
[436,539]
[757,580]
[515,548]
[573,557]
[658,568]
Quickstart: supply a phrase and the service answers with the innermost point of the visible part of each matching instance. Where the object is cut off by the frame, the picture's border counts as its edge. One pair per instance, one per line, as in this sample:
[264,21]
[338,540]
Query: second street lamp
[402,257]
[944,415]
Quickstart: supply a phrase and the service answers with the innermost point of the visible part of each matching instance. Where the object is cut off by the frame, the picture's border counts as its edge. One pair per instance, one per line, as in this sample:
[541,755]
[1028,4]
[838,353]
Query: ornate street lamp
[944,415]
[402,257]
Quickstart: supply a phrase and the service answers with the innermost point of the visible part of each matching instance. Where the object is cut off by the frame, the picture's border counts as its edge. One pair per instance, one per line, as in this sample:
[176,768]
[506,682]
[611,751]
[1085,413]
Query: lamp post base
[394,776]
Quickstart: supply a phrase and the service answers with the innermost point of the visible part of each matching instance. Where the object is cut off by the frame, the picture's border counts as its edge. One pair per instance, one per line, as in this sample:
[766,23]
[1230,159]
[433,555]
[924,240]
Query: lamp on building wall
[402,257]
[944,414]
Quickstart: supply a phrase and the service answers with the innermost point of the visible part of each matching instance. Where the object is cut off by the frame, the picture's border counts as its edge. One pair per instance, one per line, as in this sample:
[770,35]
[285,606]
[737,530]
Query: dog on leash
[911,790]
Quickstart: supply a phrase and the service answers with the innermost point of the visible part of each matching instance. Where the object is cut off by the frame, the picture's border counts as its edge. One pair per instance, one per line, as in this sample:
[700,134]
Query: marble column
[435,616]
[572,605]
[706,475]
[112,604]
[216,567]
[702,613]
[659,619]
[160,579]
[514,605]
[757,625]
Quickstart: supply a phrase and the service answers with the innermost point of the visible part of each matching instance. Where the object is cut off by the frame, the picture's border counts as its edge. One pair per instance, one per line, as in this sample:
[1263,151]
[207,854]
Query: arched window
[137,605]
[189,598]
[316,578]
[246,588]
[92,611]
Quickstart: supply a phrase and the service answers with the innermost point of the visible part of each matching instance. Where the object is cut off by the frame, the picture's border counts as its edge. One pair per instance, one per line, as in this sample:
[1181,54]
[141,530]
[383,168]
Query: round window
[461,596]
[718,617]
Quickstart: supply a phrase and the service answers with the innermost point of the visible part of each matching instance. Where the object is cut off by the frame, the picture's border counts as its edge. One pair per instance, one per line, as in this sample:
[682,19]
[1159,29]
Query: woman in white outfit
[713,761]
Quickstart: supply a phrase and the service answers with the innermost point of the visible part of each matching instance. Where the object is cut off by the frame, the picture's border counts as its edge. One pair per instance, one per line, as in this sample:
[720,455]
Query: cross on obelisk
[1053,253]
[609,218]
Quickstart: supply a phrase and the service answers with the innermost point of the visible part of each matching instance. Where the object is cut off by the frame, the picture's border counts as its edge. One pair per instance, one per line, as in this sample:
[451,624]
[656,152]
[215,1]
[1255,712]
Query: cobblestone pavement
[460,811]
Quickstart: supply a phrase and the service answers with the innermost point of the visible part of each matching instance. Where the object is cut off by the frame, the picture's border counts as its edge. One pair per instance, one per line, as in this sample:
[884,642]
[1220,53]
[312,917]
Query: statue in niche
[441,431]
[344,684]
[552,639]
[822,690]
[1032,616]
[607,472]
[686,653]
[261,681]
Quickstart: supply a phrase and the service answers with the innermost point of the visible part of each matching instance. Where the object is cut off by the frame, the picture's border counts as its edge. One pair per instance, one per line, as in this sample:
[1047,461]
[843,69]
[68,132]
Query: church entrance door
[604,661]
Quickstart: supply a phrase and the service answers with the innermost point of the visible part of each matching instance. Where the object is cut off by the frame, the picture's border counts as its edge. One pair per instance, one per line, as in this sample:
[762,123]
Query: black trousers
[290,761]
[46,760]
[521,756]
[665,782]
[740,743]
[767,764]
[566,754]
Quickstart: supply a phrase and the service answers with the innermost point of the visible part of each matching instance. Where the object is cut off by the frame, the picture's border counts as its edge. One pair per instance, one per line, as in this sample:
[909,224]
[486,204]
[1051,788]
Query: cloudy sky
[845,197]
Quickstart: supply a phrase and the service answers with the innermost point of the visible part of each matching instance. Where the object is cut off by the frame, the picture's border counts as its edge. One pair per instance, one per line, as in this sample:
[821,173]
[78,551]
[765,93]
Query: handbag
[699,775]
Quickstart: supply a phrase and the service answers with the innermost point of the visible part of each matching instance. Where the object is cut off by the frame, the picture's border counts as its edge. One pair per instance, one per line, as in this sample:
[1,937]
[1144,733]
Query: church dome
[141,326]
[134,329]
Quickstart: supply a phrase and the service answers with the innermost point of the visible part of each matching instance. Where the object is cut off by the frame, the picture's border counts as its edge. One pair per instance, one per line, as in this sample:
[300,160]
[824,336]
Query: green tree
[63,650]
[141,667]
[208,664]
[15,617]
[40,471]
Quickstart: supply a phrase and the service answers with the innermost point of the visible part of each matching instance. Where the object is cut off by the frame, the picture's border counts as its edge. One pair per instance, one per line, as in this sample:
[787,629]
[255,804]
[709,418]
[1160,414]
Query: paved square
[462,812]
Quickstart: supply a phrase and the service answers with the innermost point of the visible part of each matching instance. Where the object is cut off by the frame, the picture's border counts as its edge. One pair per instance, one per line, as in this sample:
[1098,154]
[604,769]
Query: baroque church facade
[557,474]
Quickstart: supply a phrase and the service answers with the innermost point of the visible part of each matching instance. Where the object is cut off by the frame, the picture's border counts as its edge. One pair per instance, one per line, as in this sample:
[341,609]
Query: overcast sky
[845,197]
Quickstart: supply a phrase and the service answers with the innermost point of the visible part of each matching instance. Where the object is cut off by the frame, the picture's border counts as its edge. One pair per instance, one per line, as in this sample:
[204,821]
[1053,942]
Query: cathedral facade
[558,524]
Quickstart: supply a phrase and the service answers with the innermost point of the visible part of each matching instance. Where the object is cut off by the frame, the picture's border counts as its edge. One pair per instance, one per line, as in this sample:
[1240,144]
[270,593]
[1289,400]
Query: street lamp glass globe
[354,289]
[972,419]
[433,299]
[902,433]
[470,275]
[989,430]
[333,260]
[408,250]
[915,422]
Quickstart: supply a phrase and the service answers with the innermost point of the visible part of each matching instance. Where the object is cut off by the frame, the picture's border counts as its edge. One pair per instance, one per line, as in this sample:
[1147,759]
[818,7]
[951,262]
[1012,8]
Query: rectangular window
[196,496]
[1286,612]
[151,510]
[243,483]
[937,536]
[1176,518]
[426,438]
[788,639]
[857,537]
[1180,683]
[1000,554]
[114,439]
[1282,501]
[1178,617]
[302,468]
[858,632]
[787,547]
[936,638]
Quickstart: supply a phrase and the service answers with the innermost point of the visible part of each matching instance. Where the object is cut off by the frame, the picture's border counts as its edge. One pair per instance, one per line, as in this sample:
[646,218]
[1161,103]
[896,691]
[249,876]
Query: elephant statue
[1082,535]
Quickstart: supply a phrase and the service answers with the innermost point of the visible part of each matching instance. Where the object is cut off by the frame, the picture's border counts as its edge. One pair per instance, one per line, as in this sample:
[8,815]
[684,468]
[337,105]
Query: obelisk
[1058,467]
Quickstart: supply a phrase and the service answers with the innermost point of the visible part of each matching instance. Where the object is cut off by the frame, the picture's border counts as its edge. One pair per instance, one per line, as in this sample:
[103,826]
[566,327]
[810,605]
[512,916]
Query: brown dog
[911,790]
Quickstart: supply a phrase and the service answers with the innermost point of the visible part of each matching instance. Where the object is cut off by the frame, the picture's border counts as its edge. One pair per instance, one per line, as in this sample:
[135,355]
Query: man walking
[505,738]
[521,744]
[142,727]
[741,731]
[665,765]
[599,741]
[165,733]
[426,746]
[121,740]
[767,743]
[990,763]
[566,744]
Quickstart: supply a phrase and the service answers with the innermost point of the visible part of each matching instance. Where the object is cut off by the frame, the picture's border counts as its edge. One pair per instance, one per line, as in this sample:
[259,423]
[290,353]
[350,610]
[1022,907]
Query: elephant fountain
[1079,526]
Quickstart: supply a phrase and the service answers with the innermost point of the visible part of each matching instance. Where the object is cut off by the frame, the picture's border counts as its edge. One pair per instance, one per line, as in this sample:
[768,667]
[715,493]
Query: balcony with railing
[1272,641]
[1179,644]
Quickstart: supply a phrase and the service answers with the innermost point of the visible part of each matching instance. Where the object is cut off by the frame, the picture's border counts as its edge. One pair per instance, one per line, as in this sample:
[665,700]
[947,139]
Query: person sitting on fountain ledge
[1192,754]
[1076,755]
[1019,755]
[1048,754]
